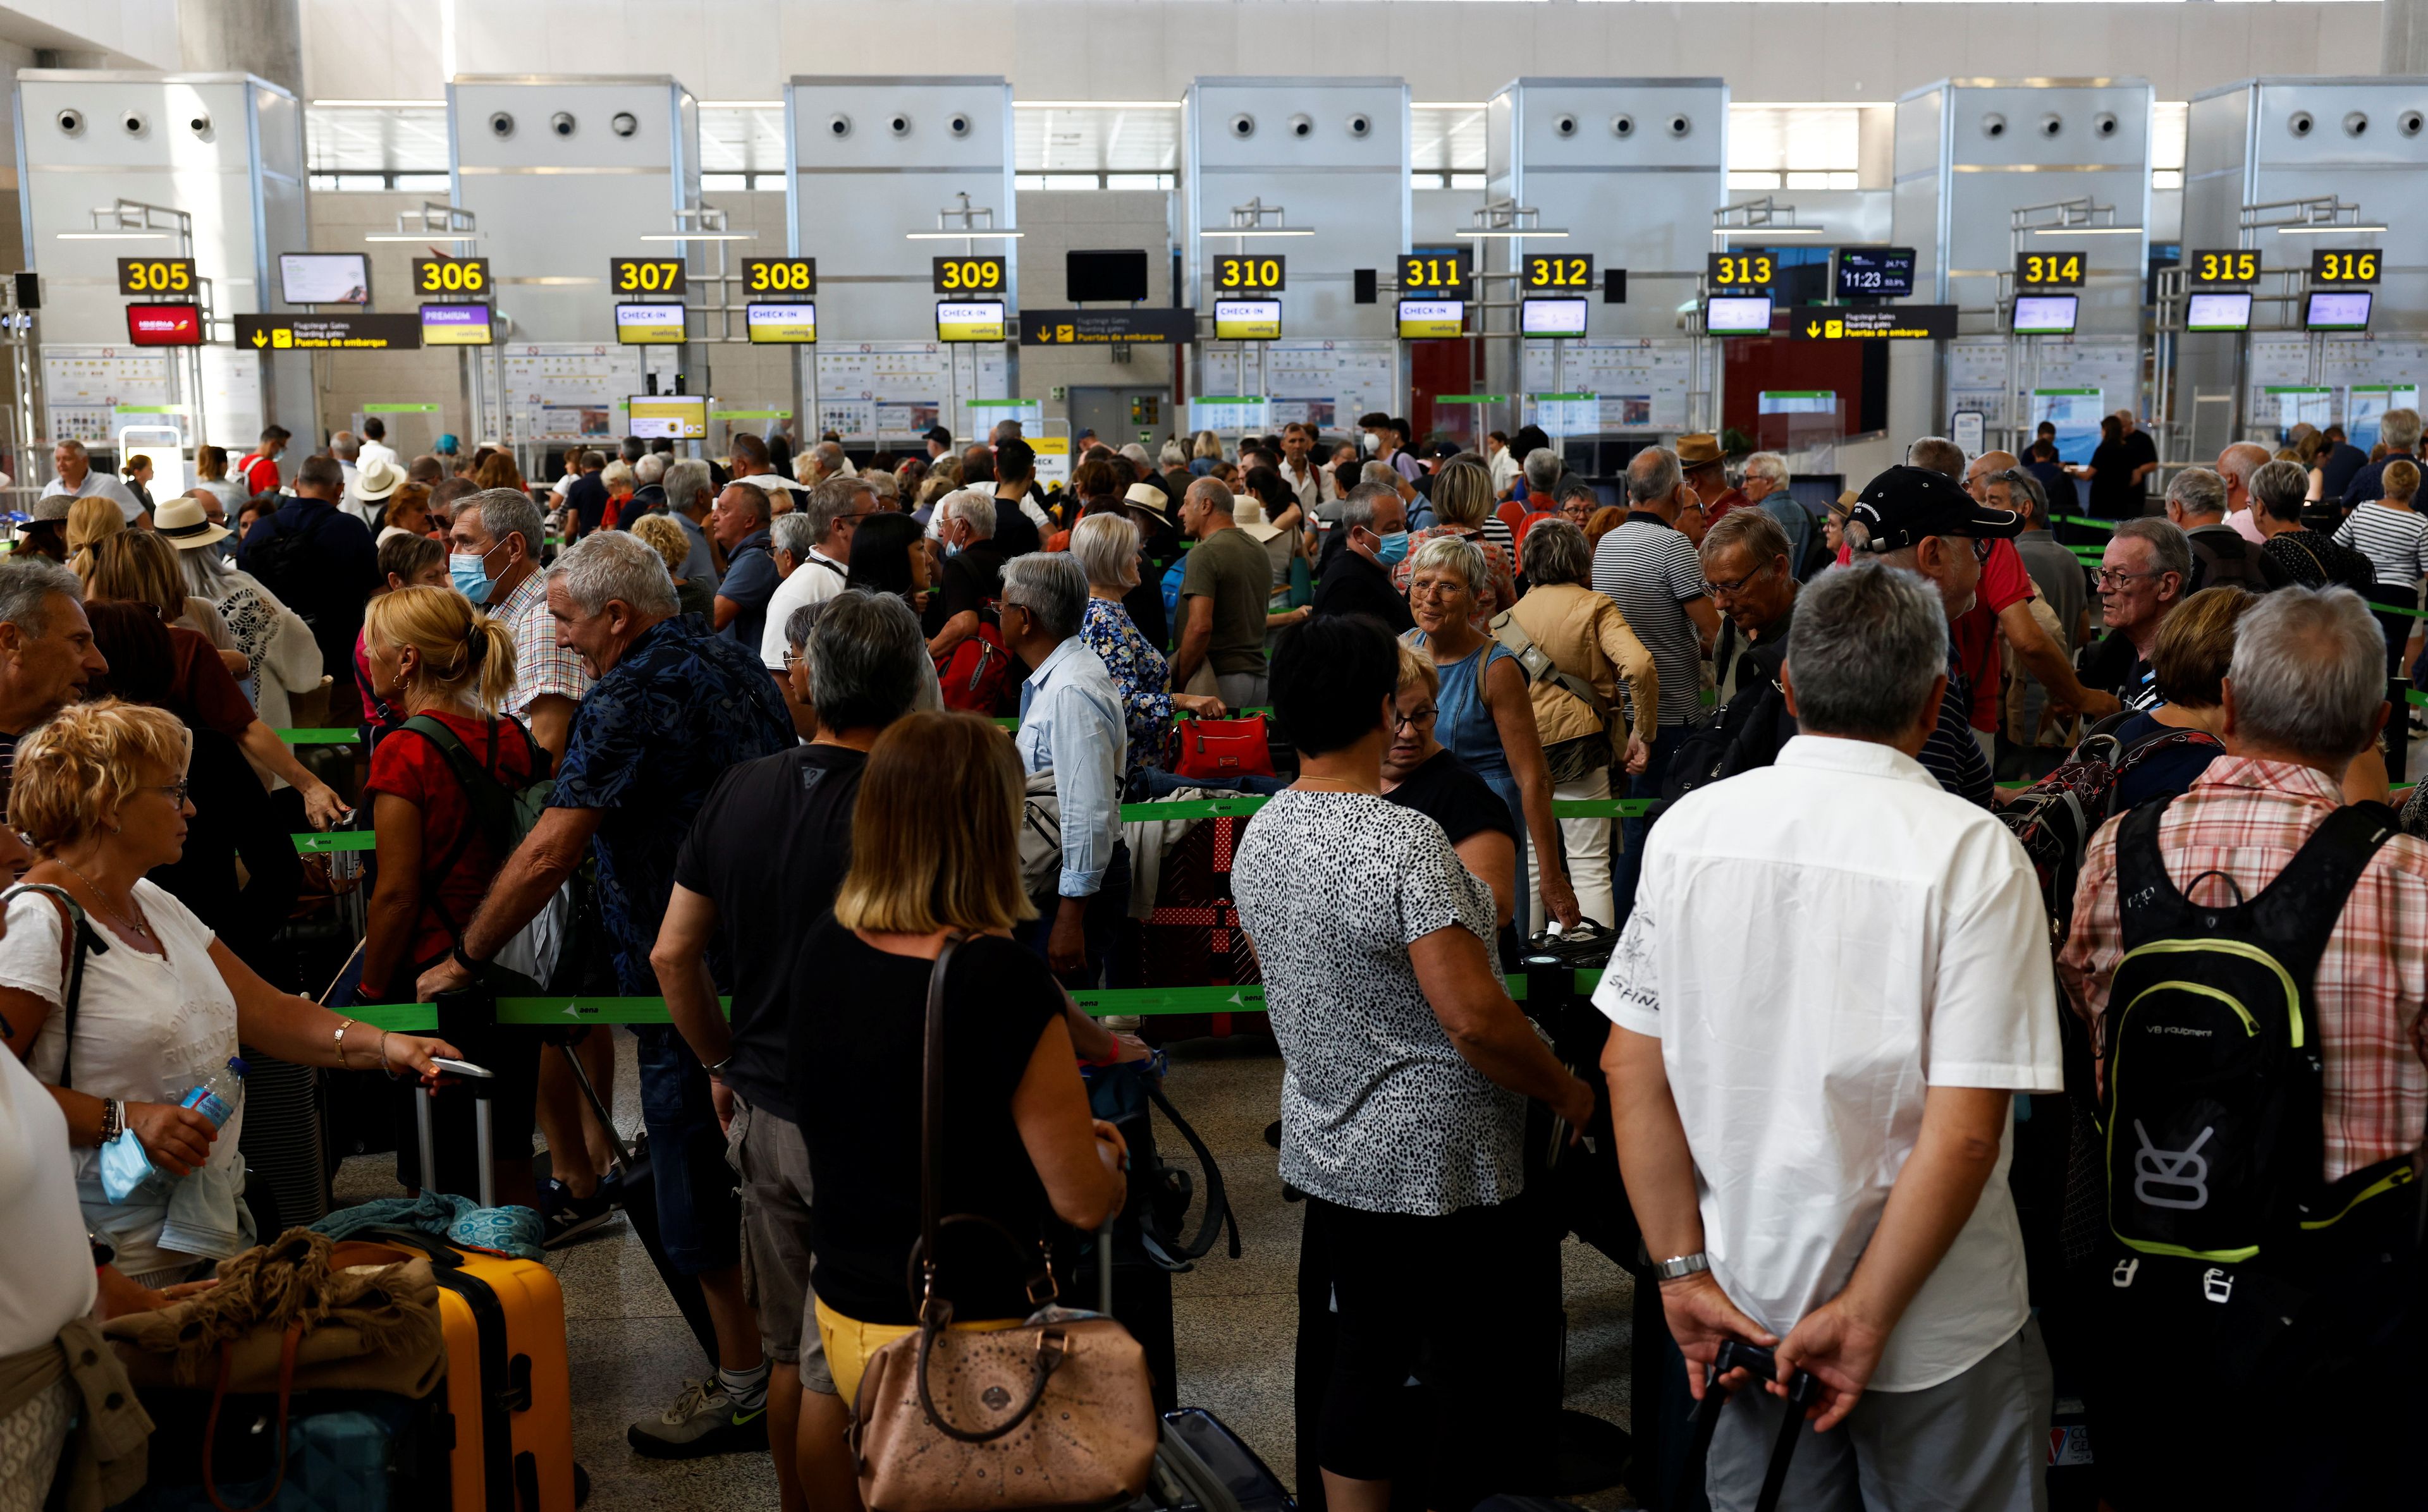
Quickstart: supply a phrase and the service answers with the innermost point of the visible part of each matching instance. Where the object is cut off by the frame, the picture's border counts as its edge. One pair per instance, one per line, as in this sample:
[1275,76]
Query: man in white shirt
[1298,467]
[374,443]
[748,462]
[833,510]
[1814,1117]
[344,446]
[1504,464]
[77,479]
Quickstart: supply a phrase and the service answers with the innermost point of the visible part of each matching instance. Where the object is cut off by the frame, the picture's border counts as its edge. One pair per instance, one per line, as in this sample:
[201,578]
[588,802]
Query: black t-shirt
[1447,791]
[1015,533]
[2113,494]
[769,848]
[587,496]
[1353,585]
[2140,450]
[2114,666]
[973,579]
[858,1024]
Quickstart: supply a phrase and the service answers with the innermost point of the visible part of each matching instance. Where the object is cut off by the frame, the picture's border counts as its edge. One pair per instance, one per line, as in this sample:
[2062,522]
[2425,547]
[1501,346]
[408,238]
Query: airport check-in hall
[1495,756]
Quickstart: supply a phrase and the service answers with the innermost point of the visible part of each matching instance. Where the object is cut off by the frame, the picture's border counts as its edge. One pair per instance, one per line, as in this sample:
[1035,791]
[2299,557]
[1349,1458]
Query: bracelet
[339,1039]
[114,1120]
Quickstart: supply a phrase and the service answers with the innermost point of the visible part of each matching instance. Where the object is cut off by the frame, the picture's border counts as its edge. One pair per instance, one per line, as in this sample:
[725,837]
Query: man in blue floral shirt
[669,711]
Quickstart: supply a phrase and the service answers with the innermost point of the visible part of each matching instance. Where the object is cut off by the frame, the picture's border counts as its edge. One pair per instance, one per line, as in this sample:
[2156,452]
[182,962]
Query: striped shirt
[2242,822]
[541,666]
[1951,754]
[2394,540]
[1650,568]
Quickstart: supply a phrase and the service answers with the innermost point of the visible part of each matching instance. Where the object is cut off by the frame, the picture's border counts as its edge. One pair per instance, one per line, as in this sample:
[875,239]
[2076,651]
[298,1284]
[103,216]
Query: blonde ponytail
[493,648]
[464,652]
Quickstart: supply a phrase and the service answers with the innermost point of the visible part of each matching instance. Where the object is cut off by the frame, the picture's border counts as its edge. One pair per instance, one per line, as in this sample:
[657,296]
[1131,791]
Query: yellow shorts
[850,1343]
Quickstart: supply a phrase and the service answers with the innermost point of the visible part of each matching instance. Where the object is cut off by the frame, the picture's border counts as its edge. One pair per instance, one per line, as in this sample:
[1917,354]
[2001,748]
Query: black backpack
[2211,1107]
[282,561]
[2216,562]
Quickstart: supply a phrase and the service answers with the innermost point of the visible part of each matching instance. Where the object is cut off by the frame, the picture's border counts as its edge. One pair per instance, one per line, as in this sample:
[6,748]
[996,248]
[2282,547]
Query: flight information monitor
[1247,319]
[783,324]
[324,278]
[670,416]
[2337,310]
[2044,314]
[1552,320]
[2219,311]
[1737,314]
[1876,272]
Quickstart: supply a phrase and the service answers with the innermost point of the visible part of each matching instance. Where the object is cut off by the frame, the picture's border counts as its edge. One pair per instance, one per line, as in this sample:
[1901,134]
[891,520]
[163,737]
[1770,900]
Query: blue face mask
[1393,549]
[466,572]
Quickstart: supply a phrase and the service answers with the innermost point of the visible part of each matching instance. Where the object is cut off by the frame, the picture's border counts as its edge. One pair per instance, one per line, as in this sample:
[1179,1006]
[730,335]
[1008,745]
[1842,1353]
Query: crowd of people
[801,732]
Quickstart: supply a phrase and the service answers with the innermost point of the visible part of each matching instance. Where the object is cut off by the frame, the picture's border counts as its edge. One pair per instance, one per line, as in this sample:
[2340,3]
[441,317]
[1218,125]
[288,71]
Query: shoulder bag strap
[77,940]
[931,1133]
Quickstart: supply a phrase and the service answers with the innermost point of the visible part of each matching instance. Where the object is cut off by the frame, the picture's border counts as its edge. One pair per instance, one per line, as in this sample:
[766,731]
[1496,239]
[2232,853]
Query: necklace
[112,910]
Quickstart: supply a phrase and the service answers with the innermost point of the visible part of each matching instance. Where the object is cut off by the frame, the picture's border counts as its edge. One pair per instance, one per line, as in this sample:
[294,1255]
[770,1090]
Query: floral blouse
[1138,671]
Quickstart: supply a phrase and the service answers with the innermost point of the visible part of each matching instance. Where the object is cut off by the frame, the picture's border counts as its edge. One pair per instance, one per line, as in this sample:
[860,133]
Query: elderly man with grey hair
[1649,567]
[495,544]
[828,514]
[1902,967]
[75,475]
[2197,504]
[2303,701]
[2144,574]
[973,575]
[47,658]
[1372,536]
[691,492]
[2235,464]
[2400,429]
[1071,724]
[670,709]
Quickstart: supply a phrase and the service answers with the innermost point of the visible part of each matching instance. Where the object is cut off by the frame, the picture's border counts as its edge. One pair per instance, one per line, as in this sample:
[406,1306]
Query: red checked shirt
[2245,817]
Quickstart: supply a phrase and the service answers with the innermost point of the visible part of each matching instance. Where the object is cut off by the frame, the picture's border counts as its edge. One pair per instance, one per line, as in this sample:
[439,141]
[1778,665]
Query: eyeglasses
[1732,590]
[2110,580]
[1414,719]
[794,656]
[176,790]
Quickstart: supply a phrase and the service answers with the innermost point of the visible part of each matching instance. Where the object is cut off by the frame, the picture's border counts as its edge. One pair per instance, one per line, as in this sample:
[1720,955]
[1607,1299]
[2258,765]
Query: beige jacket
[1587,637]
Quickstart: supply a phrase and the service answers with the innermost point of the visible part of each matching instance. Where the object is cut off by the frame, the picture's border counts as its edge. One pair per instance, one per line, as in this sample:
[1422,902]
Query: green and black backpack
[2212,1107]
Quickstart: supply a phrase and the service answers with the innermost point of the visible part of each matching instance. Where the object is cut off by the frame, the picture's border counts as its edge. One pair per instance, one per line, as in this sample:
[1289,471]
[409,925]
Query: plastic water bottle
[125,1166]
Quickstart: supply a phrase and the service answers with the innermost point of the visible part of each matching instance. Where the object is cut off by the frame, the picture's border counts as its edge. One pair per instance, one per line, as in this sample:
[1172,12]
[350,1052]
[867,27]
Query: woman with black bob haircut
[1406,1070]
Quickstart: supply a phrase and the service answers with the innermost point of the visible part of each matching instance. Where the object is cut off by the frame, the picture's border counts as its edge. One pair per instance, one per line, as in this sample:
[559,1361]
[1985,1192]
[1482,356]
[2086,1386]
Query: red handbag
[1222,748]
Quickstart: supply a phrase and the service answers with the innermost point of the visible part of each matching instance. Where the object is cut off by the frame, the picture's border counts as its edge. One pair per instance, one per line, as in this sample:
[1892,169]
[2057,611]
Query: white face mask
[1371,443]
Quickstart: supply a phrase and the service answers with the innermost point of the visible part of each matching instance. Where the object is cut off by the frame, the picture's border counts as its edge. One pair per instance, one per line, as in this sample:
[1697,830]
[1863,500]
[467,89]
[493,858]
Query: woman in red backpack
[445,666]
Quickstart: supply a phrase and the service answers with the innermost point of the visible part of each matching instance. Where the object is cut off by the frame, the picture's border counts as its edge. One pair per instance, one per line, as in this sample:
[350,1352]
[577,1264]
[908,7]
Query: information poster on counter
[1638,384]
[1326,385]
[877,391]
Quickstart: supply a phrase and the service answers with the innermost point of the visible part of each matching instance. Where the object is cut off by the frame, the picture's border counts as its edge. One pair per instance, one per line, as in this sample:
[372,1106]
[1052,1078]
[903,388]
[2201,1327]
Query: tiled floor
[1234,1320]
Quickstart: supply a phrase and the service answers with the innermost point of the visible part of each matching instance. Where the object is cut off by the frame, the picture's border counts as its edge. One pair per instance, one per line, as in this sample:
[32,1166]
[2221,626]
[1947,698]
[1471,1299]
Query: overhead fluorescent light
[702,236]
[2327,231]
[113,236]
[1765,231]
[1513,233]
[1259,231]
[2086,231]
[421,235]
[960,235]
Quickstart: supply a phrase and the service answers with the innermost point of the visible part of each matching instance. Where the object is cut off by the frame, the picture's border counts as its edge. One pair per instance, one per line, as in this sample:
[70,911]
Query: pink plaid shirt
[541,666]
[2245,817]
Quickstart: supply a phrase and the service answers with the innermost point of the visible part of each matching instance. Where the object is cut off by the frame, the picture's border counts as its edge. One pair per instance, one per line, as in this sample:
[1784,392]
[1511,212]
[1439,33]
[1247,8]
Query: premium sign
[455,325]
[1876,323]
[329,332]
[1144,325]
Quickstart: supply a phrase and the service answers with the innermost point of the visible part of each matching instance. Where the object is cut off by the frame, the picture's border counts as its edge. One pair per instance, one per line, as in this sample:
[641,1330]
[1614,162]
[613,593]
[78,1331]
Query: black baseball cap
[938,434]
[1442,450]
[1904,504]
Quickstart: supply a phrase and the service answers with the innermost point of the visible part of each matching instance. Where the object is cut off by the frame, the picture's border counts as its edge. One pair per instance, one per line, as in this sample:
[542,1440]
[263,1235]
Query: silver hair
[1137,455]
[27,583]
[208,575]
[1357,508]
[1456,553]
[687,479]
[2015,478]
[1004,430]
[867,661]
[1555,552]
[2239,460]
[343,446]
[73,447]
[1868,642]
[802,622]
[2399,429]
[794,534]
[973,507]
[1542,469]
[651,468]
[1938,454]
[2308,673]
[1652,475]
[2171,550]
[2197,491]
[1768,464]
[1107,548]
[611,565]
[1174,454]
[887,487]
[506,511]
[1379,472]
[833,498]
[829,455]
[1051,587]
[1763,537]
[2280,488]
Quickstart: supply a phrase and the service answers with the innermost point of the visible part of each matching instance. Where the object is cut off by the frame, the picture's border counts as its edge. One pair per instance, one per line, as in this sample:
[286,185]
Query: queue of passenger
[753,701]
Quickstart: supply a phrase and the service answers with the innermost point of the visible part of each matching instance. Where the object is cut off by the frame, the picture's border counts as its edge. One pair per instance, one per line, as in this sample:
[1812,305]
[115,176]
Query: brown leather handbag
[1057,1412]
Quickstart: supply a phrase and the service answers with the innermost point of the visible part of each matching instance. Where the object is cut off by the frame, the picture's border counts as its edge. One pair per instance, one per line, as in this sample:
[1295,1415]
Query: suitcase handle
[1762,1364]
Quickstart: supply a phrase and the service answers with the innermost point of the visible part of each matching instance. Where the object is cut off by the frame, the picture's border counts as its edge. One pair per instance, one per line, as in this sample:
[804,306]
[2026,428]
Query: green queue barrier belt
[421,1017]
[319,737]
[2085,520]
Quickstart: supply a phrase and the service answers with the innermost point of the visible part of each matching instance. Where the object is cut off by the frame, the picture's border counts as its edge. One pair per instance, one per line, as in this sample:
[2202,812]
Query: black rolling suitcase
[1802,1390]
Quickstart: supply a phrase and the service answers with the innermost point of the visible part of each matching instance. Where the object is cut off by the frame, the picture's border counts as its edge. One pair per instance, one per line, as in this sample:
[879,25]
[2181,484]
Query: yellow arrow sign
[1813,328]
[260,339]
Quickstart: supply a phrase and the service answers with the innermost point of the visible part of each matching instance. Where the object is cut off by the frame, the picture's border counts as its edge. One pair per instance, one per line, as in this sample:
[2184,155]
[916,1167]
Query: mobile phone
[461,1067]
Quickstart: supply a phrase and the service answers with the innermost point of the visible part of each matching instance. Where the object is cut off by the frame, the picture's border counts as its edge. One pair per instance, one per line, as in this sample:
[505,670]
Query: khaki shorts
[767,1153]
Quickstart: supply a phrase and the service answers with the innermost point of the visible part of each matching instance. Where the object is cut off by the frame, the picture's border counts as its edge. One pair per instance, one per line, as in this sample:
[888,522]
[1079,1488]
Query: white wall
[1446,49]
[138,33]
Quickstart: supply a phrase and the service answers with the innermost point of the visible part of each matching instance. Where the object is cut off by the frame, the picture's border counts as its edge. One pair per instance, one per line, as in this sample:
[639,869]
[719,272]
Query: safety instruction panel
[232,415]
[875,391]
[1637,382]
[1326,385]
[83,386]
[2356,371]
[1983,372]
[574,391]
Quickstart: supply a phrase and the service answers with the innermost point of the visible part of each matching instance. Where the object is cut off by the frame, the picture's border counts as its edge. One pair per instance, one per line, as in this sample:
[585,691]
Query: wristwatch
[1681,1266]
[465,961]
